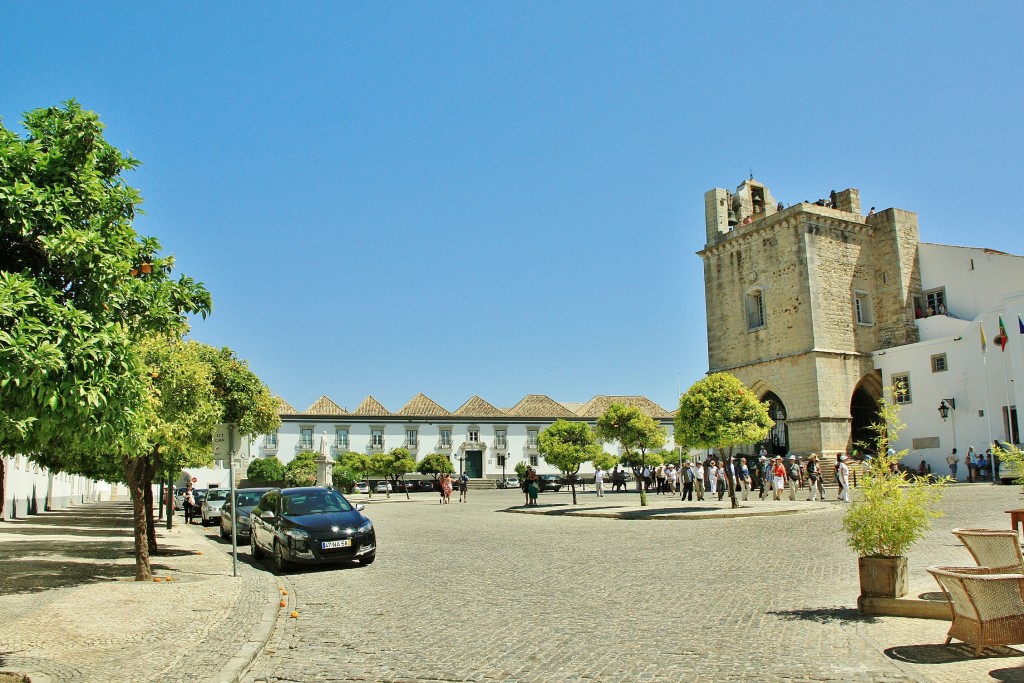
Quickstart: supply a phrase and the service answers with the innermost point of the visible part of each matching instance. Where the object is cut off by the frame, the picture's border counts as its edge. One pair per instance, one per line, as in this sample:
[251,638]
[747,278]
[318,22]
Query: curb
[653,514]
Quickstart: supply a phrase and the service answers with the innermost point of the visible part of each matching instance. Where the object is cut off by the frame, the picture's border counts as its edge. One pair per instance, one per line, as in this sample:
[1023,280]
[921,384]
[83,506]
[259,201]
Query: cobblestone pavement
[464,592]
[71,610]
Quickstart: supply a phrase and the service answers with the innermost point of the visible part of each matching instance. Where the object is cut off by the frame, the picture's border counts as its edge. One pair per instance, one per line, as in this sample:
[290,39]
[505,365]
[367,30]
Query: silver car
[211,507]
[247,499]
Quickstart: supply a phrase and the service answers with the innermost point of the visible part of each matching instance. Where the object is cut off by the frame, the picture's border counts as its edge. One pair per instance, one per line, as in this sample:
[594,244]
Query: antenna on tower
[751,173]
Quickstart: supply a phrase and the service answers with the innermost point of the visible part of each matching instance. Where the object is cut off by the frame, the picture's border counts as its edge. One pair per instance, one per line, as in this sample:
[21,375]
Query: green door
[475,464]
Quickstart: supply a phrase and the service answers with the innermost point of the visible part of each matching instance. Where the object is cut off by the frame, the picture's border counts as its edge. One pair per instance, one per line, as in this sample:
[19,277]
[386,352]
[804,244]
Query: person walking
[952,461]
[969,464]
[687,474]
[525,483]
[189,503]
[778,478]
[698,480]
[843,477]
[532,486]
[713,478]
[464,488]
[744,477]
[793,477]
[817,486]
[599,482]
[446,488]
[767,476]
[659,479]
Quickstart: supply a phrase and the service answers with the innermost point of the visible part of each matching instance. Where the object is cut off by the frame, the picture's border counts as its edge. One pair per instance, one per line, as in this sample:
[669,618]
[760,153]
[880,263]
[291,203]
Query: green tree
[343,479]
[379,464]
[301,470]
[79,289]
[400,463]
[521,470]
[720,412]
[606,461]
[265,470]
[567,445]
[358,464]
[435,464]
[637,433]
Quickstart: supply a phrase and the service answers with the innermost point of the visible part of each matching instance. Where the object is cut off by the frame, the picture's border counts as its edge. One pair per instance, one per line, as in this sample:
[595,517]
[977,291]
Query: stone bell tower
[798,297]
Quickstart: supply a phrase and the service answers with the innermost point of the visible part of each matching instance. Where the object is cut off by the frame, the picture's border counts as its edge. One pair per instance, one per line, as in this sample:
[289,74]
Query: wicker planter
[883,577]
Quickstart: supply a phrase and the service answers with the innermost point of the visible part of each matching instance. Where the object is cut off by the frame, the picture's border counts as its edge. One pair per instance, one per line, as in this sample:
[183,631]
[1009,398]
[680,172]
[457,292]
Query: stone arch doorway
[864,412]
[777,442]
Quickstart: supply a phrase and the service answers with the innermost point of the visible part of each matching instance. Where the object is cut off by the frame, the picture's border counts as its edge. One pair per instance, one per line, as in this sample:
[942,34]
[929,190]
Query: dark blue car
[310,525]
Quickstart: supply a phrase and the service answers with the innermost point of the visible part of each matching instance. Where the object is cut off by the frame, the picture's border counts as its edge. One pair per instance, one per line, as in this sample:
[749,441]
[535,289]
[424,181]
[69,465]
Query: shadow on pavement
[38,575]
[1014,675]
[949,654]
[825,615]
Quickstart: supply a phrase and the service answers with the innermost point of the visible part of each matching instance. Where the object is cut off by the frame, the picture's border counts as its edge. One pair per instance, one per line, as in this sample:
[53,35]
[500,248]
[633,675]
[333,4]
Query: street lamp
[944,407]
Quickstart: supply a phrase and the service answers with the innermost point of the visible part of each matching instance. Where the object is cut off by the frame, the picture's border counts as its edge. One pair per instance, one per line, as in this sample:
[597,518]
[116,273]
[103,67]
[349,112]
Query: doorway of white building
[474,464]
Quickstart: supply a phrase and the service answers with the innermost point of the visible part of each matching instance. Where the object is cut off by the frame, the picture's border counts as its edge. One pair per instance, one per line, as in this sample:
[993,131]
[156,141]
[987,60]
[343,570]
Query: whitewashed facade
[484,441]
[967,290]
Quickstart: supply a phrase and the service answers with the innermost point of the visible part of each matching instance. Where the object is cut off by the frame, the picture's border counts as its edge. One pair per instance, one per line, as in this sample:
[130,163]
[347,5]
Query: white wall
[975,280]
[30,489]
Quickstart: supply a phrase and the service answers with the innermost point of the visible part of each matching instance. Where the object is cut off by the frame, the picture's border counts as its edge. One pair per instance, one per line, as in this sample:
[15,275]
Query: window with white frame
[306,438]
[862,306]
[935,300]
[531,437]
[341,437]
[501,459]
[939,363]
[533,461]
[753,303]
[500,438]
[901,387]
[446,437]
[411,437]
[270,440]
[377,438]
[473,434]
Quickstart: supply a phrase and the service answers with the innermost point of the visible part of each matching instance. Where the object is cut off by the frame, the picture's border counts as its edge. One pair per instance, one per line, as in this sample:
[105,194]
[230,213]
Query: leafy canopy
[567,445]
[718,411]
[301,471]
[435,464]
[264,470]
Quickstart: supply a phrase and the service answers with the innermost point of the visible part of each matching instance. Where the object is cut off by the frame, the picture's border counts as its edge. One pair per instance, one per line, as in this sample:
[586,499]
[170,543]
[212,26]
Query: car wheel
[224,532]
[254,549]
[204,521]
[367,559]
[280,563]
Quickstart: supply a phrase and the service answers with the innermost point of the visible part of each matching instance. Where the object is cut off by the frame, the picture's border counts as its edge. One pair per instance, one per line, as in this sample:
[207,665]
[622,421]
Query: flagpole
[984,365]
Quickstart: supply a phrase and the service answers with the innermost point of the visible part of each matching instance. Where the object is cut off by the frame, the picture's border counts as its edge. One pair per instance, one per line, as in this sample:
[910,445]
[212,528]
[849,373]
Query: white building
[482,440]
[964,291]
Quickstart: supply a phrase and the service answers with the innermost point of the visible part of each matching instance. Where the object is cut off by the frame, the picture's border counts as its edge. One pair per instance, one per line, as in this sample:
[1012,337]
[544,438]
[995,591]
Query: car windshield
[218,494]
[247,499]
[314,503]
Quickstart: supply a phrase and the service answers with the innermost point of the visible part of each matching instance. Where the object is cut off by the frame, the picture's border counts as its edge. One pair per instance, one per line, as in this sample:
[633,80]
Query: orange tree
[637,433]
[720,412]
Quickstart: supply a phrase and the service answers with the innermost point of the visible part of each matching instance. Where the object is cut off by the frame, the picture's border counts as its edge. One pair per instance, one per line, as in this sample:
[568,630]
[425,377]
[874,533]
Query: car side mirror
[360,507]
[267,514]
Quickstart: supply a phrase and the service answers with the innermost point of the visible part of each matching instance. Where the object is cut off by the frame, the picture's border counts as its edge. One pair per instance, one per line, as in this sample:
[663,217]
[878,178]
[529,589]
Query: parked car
[310,525]
[198,495]
[179,498]
[382,487]
[246,500]
[549,482]
[427,485]
[209,509]
[509,483]
[361,487]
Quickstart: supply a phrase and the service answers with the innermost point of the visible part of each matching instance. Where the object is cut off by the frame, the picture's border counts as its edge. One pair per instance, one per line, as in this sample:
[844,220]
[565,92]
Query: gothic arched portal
[778,438]
[864,413]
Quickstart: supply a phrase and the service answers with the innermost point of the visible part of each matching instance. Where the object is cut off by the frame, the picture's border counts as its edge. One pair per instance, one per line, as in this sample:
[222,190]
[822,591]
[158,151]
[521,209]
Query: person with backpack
[464,488]
[817,486]
[189,504]
[794,476]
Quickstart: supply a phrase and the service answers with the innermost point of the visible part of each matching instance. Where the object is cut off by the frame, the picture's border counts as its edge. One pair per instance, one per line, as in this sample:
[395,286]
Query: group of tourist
[768,476]
[446,485]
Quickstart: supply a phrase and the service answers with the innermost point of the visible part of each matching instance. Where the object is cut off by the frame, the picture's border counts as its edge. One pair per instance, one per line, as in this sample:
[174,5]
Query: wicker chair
[987,608]
[993,548]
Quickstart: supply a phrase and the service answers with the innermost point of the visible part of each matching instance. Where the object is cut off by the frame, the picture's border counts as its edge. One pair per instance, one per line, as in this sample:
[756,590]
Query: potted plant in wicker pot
[892,512]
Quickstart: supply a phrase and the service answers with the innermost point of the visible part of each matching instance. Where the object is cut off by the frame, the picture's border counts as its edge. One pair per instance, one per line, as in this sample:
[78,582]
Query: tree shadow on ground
[38,575]
[1014,675]
[949,654]
[825,615]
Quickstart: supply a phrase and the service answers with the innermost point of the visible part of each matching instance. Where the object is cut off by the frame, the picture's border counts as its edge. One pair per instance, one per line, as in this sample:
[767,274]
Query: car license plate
[337,544]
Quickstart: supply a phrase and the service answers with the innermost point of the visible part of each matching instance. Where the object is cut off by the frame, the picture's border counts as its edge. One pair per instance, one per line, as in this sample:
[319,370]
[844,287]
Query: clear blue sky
[505,198]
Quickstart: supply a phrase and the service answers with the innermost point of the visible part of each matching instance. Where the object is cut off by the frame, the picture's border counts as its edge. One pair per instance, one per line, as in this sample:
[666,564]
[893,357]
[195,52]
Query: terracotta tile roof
[421,406]
[477,407]
[370,407]
[596,406]
[539,405]
[285,408]
[574,407]
[325,406]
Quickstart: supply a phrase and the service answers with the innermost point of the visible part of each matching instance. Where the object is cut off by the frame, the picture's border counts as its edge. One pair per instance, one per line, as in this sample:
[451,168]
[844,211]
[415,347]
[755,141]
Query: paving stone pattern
[468,593]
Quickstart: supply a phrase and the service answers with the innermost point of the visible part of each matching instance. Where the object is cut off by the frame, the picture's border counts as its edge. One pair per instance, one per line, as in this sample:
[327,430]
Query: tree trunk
[572,485]
[730,481]
[405,484]
[133,468]
[148,472]
[3,478]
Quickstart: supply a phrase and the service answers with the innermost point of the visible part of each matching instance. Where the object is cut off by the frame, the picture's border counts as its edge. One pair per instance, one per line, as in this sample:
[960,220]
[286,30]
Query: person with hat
[765,468]
[744,477]
[793,476]
[778,478]
[815,479]
[843,477]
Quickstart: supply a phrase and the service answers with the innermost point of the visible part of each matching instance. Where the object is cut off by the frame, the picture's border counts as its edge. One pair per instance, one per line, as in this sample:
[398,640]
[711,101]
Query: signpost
[223,442]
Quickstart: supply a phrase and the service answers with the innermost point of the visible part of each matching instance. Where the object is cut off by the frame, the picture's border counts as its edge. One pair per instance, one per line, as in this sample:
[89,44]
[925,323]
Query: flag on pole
[984,344]
[1002,335]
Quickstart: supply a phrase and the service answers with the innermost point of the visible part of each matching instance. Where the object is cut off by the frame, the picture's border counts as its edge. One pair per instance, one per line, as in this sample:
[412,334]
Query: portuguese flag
[1001,339]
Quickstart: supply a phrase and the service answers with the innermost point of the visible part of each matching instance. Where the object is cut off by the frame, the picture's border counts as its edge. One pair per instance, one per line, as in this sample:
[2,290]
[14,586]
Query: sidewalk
[73,611]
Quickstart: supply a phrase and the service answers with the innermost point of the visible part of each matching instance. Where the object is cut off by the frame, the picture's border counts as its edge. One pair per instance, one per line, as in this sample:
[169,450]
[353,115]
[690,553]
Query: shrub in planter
[892,512]
[301,471]
[263,470]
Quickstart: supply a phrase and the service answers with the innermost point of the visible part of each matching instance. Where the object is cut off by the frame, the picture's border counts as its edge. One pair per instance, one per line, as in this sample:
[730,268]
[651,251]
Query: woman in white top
[713,477]
[698,480]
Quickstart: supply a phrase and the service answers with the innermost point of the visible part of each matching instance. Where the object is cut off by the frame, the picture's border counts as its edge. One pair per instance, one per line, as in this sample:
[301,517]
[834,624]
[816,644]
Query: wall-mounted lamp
[944,407]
